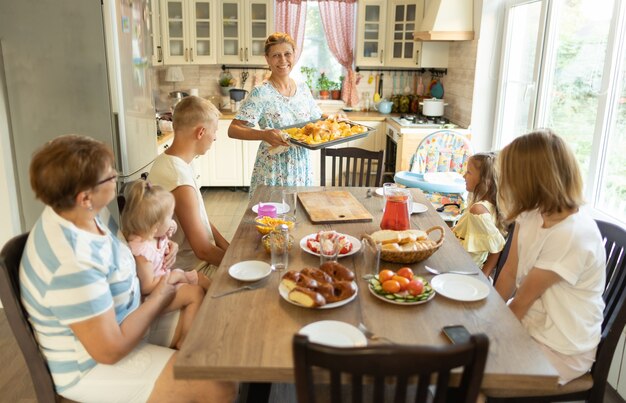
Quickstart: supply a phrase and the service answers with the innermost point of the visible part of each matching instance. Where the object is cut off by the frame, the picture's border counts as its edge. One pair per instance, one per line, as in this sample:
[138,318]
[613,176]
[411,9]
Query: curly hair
[146,207]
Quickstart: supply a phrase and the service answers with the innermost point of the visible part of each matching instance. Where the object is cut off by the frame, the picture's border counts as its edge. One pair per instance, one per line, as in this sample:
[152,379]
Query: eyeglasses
[111,178]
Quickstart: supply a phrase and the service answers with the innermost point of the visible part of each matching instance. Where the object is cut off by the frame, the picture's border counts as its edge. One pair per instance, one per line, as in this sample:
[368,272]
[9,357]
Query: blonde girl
[480,228]
[147,225]
[554,275]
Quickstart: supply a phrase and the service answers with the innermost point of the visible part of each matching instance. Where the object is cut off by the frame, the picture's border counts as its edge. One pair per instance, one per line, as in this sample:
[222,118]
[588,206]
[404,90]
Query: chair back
[614,296]
[442,151]
[10,258]
[352,166]
[377,365]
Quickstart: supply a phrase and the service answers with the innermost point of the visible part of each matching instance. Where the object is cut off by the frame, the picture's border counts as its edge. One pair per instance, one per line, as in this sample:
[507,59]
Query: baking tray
[327,143]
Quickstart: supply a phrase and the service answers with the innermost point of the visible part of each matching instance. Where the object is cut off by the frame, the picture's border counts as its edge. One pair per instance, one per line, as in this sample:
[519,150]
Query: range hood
[447,20]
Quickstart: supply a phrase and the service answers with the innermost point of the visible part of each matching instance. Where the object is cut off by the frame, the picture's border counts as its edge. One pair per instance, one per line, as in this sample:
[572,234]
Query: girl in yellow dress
[480,227]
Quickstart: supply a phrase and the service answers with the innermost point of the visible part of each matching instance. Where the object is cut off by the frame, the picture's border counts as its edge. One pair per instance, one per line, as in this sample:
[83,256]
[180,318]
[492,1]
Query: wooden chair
[354,168]
[17,317]
[590,387]
[401,364]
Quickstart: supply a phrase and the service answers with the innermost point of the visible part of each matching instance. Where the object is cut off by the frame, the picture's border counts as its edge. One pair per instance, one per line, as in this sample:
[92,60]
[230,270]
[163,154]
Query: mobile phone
[456,333]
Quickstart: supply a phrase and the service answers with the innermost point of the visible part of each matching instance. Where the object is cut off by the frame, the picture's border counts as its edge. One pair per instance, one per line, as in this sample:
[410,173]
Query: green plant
[226,80]
[324,83]
[339,83]
[309,72]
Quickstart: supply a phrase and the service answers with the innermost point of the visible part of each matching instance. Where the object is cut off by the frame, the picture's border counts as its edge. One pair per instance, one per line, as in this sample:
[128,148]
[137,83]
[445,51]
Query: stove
[420,121]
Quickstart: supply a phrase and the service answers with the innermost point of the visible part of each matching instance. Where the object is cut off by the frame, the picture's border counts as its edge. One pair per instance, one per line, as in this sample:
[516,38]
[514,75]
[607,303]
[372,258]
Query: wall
[459,82]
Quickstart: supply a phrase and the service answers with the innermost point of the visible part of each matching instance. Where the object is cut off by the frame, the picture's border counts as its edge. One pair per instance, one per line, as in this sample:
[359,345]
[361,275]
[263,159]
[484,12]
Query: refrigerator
[75,66]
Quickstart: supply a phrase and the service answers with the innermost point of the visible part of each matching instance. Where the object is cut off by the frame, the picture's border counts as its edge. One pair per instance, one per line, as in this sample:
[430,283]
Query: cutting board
[335,206]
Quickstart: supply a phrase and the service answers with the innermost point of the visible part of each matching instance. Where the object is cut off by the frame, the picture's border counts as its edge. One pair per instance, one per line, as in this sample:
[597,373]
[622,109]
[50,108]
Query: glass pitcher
[397,209]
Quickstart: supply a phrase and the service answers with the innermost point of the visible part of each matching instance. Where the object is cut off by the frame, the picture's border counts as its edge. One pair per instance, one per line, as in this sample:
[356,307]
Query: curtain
[338,17]
[291,18]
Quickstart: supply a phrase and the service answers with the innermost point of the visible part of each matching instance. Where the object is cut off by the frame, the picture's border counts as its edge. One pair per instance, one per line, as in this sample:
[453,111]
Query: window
[563,67]
[316,52]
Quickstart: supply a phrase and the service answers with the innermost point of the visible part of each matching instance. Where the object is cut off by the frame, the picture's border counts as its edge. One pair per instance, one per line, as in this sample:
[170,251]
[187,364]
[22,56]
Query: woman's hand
[164,291]
[170,255]
[274,137]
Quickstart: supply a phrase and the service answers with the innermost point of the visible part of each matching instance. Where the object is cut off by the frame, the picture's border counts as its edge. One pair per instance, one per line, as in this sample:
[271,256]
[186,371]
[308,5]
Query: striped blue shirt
[68,275]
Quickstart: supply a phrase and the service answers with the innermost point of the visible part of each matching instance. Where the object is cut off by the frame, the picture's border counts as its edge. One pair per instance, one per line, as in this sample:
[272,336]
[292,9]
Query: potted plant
[226,82]
[324,85]
[308,72]
[335,92]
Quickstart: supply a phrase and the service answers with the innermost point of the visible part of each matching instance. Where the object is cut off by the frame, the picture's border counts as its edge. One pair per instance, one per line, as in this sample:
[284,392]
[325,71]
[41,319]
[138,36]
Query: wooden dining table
[247,336]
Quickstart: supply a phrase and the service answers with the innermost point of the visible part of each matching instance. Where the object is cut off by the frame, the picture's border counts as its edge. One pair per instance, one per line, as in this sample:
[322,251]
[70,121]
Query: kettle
[384,106]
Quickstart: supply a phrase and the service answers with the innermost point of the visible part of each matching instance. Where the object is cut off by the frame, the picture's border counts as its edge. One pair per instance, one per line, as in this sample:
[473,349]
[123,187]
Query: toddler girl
[147,225]
[480,228]
[554,274]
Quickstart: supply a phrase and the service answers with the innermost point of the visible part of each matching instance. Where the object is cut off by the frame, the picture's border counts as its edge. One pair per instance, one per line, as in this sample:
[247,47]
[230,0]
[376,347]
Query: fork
[252,286]
[370,335]
[435,271]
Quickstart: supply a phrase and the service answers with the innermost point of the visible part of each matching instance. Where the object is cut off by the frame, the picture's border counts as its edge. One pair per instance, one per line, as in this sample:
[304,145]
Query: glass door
[259,26]
[402,49]
[202,21]
[174,39]
[371,31]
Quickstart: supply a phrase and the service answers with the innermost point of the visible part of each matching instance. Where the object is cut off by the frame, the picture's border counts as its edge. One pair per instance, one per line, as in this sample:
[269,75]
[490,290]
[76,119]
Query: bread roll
[386,236]
[337,271]
[340,290]
[409,247]
[412,235]
[317,275]
[391,247]
[291,279]
[306,297]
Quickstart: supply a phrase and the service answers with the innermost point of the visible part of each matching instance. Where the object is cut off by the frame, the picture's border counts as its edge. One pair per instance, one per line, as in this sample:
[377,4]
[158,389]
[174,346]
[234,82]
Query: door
[371,33]
[402,50]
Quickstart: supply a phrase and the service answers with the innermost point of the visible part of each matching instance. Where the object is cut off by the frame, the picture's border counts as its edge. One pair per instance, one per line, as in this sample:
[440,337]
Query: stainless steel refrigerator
[76,66]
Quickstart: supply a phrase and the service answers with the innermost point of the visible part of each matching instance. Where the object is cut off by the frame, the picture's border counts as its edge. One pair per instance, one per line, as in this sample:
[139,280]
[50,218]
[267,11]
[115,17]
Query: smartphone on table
[456,333]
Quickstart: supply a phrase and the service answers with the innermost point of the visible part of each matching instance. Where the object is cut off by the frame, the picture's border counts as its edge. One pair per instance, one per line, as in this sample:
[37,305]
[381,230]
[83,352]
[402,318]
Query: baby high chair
[444,151]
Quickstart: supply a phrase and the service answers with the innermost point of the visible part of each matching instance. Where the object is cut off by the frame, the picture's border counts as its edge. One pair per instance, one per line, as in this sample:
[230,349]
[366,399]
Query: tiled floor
[225,207]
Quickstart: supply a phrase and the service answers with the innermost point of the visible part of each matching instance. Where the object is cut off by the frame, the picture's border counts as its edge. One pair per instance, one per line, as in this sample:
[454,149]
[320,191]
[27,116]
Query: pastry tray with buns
[321,133]
[409,246]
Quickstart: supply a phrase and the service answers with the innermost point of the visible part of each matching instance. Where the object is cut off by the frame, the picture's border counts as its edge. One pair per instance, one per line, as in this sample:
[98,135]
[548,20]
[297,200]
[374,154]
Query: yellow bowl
[266,243]
[265,225]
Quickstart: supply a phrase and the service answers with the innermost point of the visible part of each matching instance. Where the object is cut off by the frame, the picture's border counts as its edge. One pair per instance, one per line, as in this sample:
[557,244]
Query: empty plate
[460,287]
[419,208]
[280,207]
[334,333]
[250,270]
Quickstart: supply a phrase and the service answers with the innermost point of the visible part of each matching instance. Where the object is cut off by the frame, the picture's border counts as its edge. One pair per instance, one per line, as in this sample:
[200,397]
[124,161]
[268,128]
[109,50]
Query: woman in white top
[556,265]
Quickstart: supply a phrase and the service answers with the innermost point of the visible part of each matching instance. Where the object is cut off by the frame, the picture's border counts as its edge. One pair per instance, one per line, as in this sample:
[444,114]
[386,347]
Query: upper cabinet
[188,31]
[155,32]
[385,36]
[245,24]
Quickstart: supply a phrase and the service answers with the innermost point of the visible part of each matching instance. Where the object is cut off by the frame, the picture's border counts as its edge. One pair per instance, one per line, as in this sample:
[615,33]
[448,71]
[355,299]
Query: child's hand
[170,255]
[164,290]
[178,276]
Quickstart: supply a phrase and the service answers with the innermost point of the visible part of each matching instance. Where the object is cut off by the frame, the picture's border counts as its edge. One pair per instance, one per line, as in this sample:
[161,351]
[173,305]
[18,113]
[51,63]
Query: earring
[90,208]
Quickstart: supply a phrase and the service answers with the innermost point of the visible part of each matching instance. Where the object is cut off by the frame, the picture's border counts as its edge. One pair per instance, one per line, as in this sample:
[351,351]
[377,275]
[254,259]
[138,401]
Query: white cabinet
[188,31]
[374,141]
[225,159]
[155,32]
[245,24]
[200,170]
[250,149]
[385,36]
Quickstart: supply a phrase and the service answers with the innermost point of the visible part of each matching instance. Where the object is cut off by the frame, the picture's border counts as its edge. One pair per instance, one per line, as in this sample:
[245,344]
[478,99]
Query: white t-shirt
[171,172]
[568,315]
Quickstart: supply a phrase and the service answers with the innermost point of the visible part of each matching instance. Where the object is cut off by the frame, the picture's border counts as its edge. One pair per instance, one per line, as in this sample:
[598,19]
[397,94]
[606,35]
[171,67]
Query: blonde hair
[487,186]
[146,207]
[192,111]
[539,171]
[66,166]
[276,39]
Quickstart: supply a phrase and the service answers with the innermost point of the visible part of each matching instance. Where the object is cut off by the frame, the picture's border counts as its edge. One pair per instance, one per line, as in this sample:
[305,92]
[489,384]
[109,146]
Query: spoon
[435,271]
[370,335]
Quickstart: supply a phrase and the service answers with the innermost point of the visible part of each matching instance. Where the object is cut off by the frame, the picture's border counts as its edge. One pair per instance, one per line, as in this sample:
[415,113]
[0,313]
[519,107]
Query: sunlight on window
[316,53]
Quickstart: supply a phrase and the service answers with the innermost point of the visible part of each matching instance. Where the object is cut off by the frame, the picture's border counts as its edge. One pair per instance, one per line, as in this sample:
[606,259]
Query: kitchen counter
[372,116]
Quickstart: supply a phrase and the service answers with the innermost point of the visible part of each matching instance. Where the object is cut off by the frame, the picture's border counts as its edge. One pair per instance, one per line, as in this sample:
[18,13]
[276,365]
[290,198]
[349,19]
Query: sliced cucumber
[400,300]
[390,296]
[375,282]
[378,288]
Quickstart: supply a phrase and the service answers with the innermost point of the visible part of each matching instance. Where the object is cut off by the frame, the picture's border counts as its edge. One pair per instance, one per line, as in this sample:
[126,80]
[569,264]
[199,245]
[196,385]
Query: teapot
[384,106]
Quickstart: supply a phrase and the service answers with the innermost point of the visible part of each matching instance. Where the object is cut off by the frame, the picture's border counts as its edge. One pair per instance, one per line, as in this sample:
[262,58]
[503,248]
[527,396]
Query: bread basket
[414,256]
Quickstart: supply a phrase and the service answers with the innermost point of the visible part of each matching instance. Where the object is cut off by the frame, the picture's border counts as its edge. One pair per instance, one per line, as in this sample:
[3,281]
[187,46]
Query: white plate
[356,245]
[391,301]
[379,191]
[250,270]
[284,292]
[419,208]
[334,333]
[460,287]
[281,208]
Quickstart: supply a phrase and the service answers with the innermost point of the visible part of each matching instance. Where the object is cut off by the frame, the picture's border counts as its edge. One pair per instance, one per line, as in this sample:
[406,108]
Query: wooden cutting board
[333,207]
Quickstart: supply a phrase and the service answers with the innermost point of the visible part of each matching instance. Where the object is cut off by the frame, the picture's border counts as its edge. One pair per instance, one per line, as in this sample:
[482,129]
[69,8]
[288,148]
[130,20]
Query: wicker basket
[414,256]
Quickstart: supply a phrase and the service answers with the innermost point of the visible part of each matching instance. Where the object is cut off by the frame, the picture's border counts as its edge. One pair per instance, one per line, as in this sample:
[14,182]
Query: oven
[391,150]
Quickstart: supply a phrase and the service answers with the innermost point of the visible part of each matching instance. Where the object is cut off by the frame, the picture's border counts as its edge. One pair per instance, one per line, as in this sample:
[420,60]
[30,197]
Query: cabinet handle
[185,54]
[191,54]
[159,54]
[382,52]
[241,54]
[417,59]
[246,54]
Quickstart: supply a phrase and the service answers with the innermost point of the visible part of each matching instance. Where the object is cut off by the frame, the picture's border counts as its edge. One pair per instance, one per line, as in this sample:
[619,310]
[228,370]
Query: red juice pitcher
[396,215]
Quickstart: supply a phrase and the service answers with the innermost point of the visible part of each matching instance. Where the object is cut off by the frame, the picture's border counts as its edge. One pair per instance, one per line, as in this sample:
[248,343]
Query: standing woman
[554,275]
[277,102]
[80,289]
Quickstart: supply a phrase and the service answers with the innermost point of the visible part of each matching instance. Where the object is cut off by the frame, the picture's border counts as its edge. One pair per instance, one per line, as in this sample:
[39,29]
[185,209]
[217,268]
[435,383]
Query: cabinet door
[231,32]
[250,149]
[259,24]
[371,33]
[155,33]
[372,142]
[402,50]
[199,166]
[174,24]
[202,41]
[225,163]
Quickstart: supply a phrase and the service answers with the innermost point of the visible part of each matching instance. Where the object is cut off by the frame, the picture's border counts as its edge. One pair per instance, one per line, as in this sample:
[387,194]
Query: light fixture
[174,74]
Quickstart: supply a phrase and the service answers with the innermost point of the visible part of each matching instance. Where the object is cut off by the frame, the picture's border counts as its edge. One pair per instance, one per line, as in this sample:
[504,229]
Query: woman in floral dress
[277,102]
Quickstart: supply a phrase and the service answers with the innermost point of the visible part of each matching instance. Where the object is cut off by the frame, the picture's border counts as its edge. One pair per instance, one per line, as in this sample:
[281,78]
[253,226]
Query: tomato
[313,245]
[406,272]
[415,287]
[385,275]
[391,286]
[346,245]
[403,281]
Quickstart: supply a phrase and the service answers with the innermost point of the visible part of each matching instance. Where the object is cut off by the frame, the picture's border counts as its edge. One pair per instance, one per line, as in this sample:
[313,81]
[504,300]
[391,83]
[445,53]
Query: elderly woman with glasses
[80,288]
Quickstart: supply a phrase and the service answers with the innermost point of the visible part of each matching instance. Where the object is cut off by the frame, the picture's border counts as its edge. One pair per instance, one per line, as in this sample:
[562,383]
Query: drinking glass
[290,199]
[368,259]
[279,248]
[329,246]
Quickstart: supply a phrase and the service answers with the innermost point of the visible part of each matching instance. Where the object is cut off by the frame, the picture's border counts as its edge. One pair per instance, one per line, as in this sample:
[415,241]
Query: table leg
[255,392]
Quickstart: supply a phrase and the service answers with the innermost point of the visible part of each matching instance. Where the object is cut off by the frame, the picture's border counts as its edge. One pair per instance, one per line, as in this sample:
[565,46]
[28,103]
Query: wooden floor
[225,208]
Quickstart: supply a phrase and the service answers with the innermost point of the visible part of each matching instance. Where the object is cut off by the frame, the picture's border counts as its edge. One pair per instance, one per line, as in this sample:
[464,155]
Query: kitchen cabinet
[188,31]
[245,24]
[250,149]
[225,159]
[155,32]
[385,36]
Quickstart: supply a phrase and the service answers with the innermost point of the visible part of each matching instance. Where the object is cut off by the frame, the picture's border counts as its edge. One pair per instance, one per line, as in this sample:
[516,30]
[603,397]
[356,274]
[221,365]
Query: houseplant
[226,82]
[324,85]
[335,92]
[308,72]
